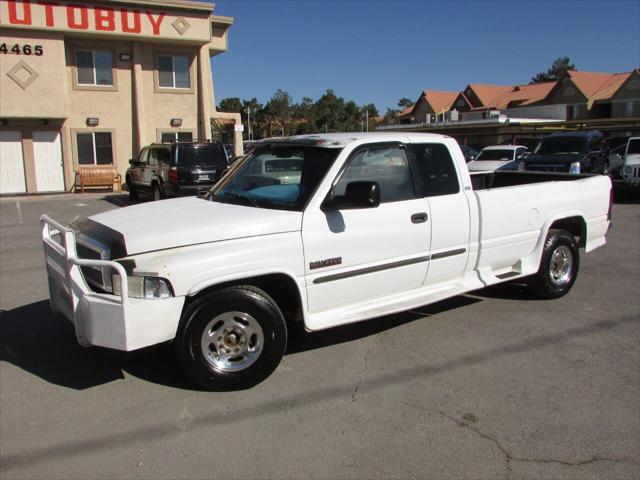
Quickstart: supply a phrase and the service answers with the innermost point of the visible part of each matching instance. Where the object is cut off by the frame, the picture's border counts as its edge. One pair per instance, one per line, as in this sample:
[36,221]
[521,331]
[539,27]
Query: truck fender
[531,262]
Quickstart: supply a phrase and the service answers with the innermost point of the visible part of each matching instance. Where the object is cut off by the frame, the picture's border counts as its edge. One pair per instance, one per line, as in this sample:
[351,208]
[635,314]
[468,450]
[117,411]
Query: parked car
[178,168]
[631,168]
[572,152]
[499,157]
[616,161]
[375,224]
[531,143]
[468,152]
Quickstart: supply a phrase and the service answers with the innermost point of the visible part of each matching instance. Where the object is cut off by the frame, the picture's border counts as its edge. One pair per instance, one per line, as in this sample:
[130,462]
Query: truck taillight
[173,175]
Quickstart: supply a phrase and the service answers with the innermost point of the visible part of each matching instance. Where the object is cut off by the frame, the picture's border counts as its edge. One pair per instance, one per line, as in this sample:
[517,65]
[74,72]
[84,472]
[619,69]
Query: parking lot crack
[509,457]
[363,372]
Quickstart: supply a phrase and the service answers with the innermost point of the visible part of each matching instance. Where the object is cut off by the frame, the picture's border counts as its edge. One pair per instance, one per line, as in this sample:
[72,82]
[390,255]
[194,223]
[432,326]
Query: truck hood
[180,222]
[487,165]
[632,159]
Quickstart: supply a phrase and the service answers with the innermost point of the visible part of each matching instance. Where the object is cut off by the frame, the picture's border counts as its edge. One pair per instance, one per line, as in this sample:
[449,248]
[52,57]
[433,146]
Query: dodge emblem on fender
[325,263]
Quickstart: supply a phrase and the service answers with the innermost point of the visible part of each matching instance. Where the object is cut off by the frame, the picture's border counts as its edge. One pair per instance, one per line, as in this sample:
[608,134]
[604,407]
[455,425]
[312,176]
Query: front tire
[133,192]
[156,192]
[558,267]
[231,339]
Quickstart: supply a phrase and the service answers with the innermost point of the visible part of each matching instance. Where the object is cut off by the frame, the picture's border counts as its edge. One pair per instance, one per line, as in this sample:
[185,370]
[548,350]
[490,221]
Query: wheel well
[282,288]
[576,226]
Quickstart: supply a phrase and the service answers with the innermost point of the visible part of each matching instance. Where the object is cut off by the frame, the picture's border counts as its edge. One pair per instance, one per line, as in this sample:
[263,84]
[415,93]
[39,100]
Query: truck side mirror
[356,195]
[132,161]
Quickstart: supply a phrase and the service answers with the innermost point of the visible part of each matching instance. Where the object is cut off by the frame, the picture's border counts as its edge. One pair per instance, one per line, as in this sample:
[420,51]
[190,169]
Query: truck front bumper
[112,321]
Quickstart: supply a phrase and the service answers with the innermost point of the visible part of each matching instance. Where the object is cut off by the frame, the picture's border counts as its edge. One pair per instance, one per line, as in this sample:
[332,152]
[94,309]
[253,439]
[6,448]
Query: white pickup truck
[366,225]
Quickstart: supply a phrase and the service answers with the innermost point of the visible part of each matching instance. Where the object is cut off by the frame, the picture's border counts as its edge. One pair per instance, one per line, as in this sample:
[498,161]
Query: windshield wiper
[247,198]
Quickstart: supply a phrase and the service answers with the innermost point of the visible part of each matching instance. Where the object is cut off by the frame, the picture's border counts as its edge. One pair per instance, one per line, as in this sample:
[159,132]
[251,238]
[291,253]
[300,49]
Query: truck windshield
[207,154]
[561,145]
[634,146]
[495,155]
[278,177]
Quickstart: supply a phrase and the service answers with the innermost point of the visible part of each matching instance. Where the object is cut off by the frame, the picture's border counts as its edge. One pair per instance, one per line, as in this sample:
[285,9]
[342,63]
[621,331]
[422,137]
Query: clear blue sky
[380,51]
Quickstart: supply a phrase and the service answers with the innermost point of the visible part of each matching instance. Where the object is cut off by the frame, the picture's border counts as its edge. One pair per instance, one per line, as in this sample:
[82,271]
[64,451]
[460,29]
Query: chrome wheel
[232,341]
[561,267]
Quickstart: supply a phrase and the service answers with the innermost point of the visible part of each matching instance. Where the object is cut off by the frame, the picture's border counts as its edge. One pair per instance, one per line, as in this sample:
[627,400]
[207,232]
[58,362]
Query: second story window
[94,67]
[173,71]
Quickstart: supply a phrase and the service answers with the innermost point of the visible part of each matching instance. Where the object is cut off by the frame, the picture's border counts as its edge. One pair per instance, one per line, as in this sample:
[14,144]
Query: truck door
[137,170]
[353,255]
[450,216]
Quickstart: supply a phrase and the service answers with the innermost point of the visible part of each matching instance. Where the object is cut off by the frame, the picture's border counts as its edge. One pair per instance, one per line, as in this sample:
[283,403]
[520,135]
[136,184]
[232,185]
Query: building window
[94,148]
[173,71]
[94,67]
[168,137]
[628,111]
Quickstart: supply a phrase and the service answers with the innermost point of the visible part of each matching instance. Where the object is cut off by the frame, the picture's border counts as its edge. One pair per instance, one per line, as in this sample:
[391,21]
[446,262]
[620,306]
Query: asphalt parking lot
[493,384]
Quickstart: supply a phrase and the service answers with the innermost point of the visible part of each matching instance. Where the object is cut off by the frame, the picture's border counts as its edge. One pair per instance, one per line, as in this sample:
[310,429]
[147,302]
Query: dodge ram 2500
[371,224]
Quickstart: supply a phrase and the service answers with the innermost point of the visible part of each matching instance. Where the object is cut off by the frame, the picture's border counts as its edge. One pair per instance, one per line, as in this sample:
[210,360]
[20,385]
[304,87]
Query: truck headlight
[575,167]
[144,287]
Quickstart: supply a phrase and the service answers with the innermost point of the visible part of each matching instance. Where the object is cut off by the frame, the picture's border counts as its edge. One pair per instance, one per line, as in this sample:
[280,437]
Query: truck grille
[97,277]
[548,167]
[635,173]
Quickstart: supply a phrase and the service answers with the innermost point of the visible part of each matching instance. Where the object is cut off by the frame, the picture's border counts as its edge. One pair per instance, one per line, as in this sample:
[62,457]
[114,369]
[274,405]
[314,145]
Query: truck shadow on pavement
[36,340]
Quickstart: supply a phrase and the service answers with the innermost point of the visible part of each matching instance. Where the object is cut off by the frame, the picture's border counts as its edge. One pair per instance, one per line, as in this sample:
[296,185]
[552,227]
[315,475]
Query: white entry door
[48,159]
[11,163]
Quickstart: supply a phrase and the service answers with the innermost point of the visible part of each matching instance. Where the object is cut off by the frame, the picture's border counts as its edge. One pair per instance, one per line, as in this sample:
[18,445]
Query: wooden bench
[98,177]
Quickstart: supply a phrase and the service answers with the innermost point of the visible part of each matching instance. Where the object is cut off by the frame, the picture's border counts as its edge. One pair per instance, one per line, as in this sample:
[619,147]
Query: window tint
[94,148]
[168,137]
[153,156]
[84,65]
[173,71]
[165,71]
[436,169]
[85,148]
[104,154]
[104,73]
[387,165]
[144,154]
[94,67]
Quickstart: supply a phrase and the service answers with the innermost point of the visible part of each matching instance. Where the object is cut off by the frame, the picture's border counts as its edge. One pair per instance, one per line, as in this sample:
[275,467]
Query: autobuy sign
[83,16]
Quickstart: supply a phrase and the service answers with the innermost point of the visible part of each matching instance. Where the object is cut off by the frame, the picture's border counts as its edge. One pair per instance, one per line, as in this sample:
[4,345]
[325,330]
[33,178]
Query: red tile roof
[440,100]
[521,95]
[488,93]
[610,87]
[589,83]
[405,112]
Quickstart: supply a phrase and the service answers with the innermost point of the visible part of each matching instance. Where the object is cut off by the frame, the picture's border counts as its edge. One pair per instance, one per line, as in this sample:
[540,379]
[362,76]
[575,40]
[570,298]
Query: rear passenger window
[387,165]
[436,169]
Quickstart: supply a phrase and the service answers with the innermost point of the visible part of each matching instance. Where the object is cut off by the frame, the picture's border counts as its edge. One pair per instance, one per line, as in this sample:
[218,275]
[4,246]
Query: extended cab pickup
[371,224]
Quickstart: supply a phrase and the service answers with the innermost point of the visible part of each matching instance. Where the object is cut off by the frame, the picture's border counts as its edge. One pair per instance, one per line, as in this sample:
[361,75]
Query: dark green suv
[178,168]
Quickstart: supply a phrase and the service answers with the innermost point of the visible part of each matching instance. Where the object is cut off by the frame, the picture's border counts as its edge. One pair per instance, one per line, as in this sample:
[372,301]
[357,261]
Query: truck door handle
[419,217]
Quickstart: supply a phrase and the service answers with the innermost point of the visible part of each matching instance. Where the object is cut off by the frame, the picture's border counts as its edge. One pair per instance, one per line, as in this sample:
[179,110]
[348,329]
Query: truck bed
[499,179]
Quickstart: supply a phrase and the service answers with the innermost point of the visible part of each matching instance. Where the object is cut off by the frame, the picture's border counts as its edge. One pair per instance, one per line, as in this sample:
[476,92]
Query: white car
[631,168]
[499,157]
[616,161]
[375,224]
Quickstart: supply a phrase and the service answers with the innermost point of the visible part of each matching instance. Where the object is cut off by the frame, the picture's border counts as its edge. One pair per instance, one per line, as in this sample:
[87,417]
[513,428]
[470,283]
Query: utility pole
[366,114]
[248,112]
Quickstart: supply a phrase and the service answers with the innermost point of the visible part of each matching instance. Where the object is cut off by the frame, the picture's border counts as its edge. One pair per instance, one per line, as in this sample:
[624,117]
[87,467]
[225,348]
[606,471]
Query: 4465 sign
[21,49]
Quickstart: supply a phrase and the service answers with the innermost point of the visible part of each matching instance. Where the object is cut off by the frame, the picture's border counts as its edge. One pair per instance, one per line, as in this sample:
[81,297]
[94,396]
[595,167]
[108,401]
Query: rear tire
[231,339]
[558,266]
